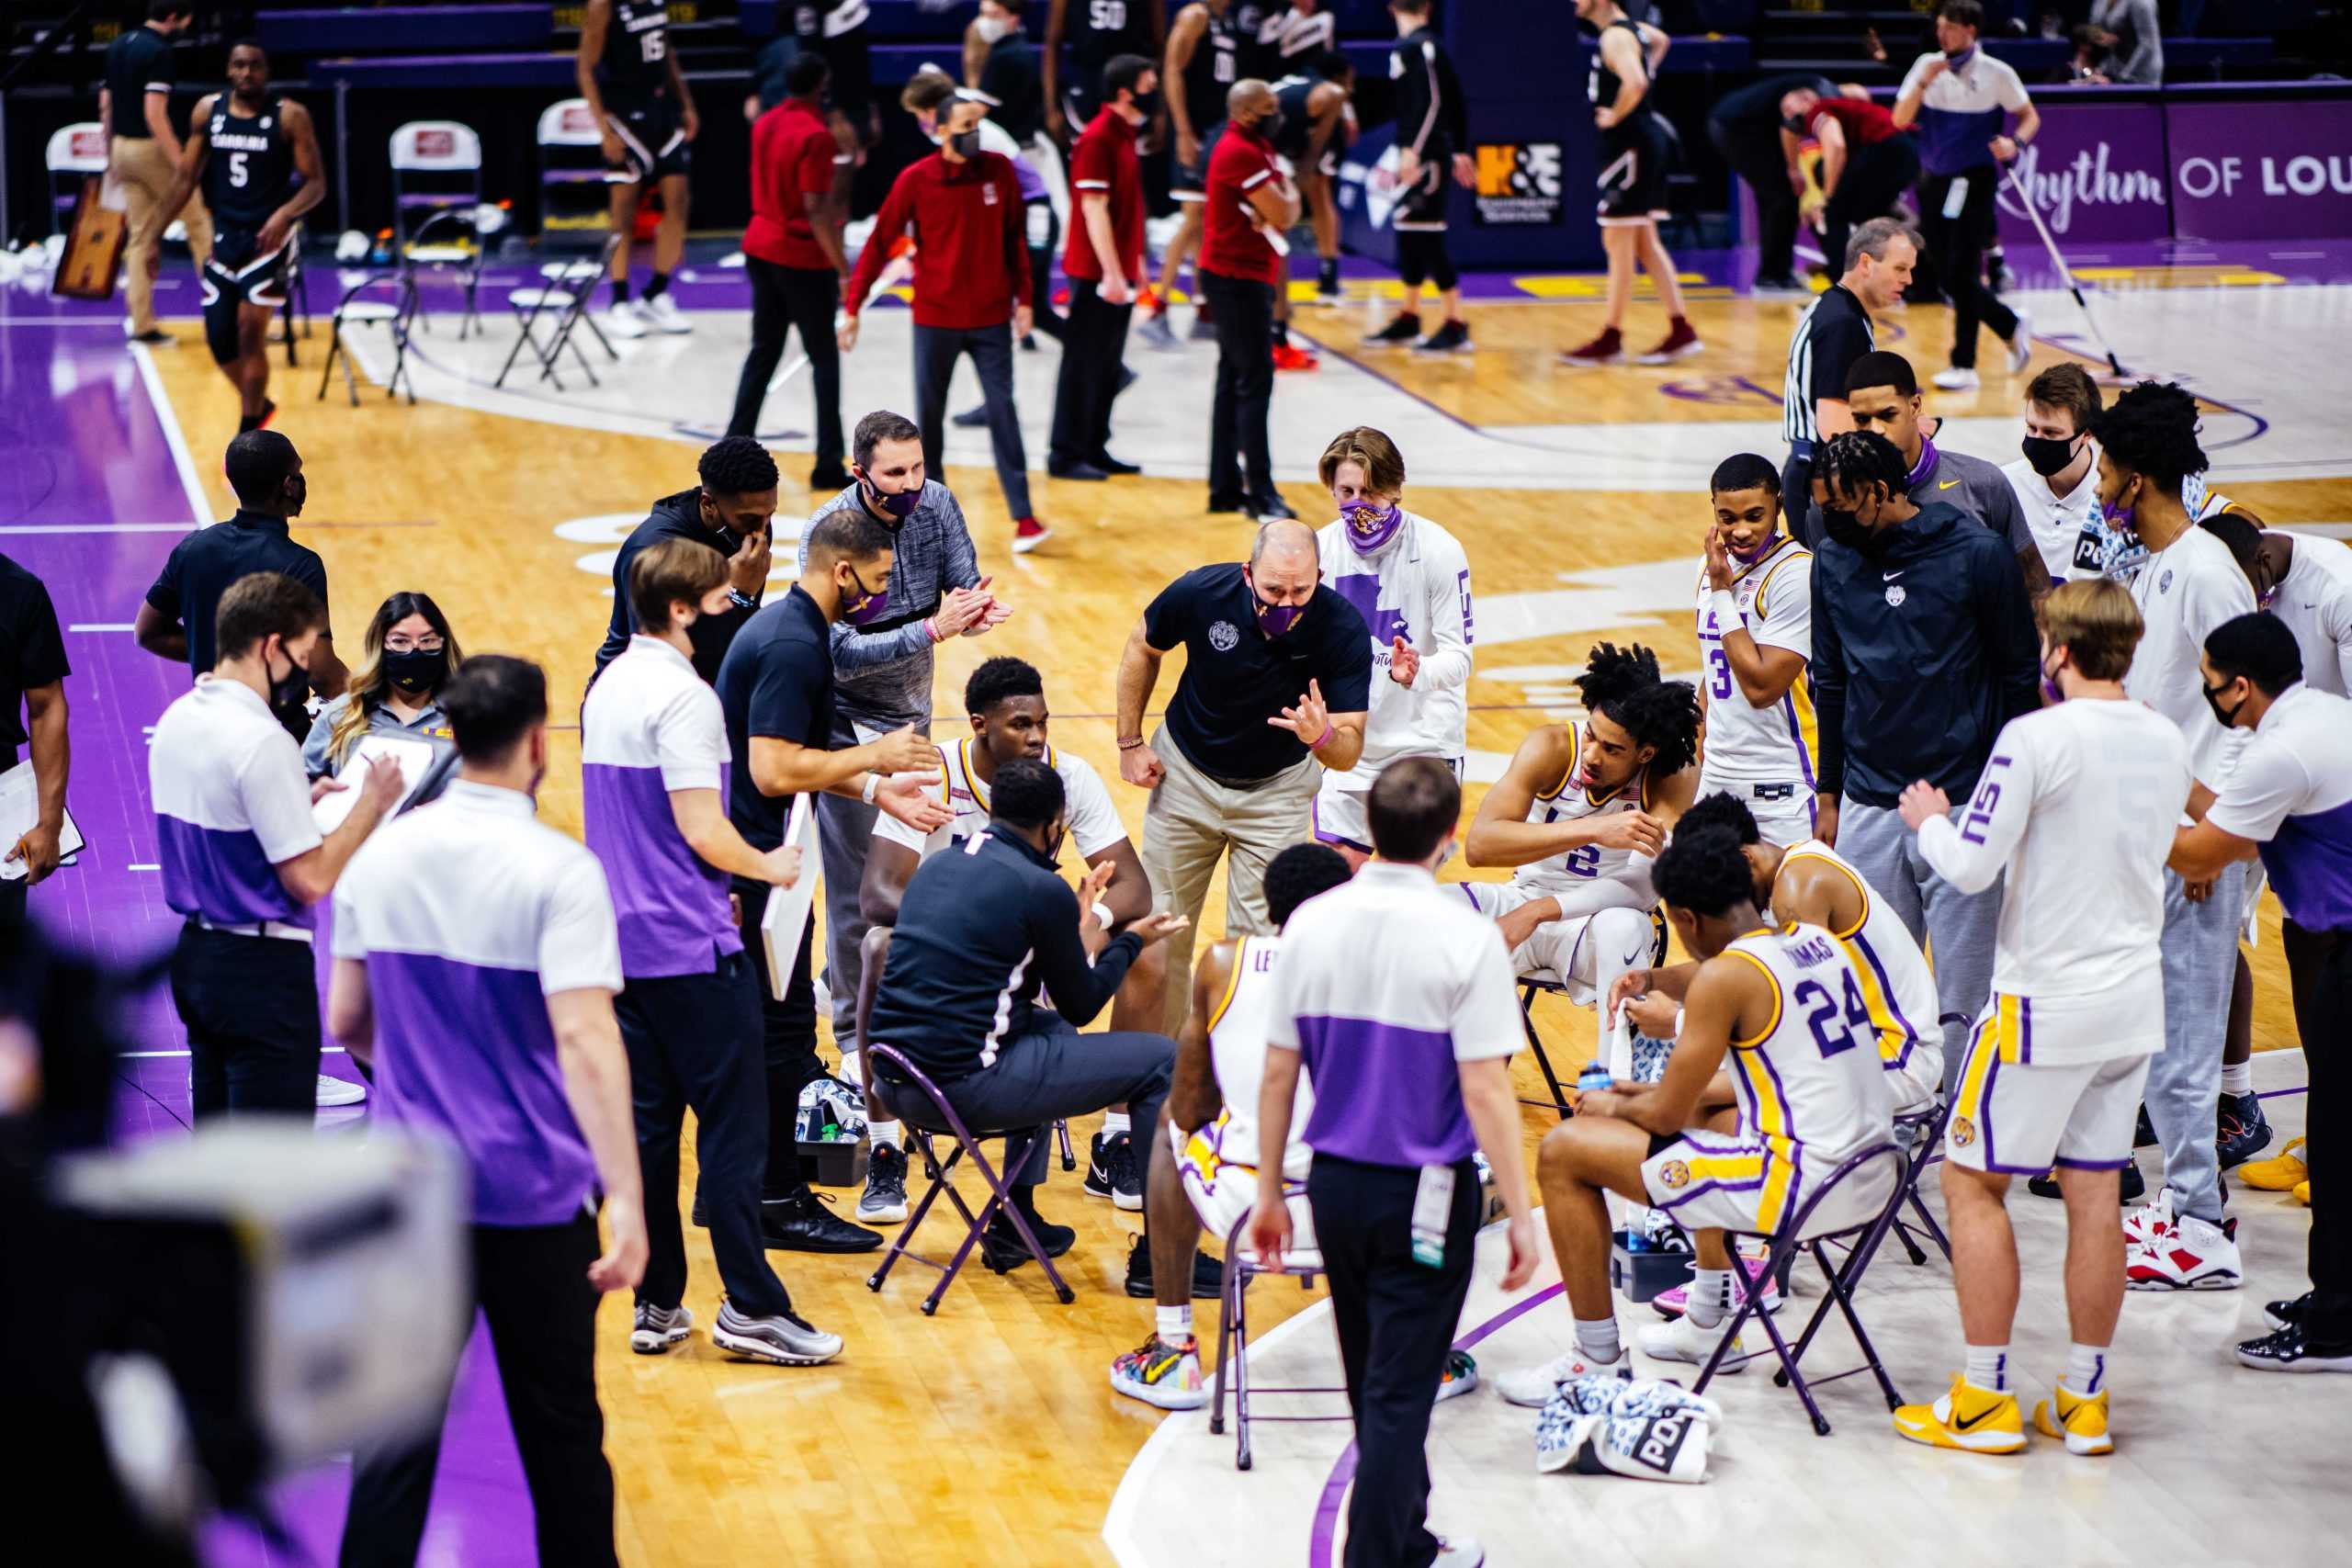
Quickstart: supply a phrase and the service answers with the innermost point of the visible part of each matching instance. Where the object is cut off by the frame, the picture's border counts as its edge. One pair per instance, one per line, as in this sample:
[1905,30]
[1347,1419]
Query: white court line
[143,868]
[59,321]
[98,527]
[100,626]
[199,510]
[150,1055]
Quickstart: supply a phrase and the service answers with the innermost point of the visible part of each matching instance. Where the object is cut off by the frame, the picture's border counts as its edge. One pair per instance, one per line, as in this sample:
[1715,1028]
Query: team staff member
[1276,687]
[2290,799]
[472,909]
[1432,151]
[255,200]
[1104,30]
[1104,262]
[2052,480]
[1246,203]
[243,861]
[652,761]
[1867,162]
[32,680]
[143,153]
[1755,638]
[1835,330]
[973,292]
[1960,99]
[405,660]
[775,691]
[1399,1001]
[1882,394]
[1746,127]
[793,257]
[637,93]
[1922,648]
[176,620]
[2307,583]
[733,512]
[1201,63]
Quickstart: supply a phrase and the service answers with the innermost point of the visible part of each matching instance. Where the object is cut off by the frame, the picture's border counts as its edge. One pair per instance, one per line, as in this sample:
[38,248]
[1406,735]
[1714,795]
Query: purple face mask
[1275,619]
[870,609]
[1756,551]
[1926,464]
[898,507]
[1371,527]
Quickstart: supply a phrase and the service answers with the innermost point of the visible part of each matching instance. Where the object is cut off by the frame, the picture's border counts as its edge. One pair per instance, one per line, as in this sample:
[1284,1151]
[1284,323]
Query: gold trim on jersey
[972,776]
[1779,559]
[1860,886]
[1566,773]
[1232,981]
[1774,980]
[1799,699]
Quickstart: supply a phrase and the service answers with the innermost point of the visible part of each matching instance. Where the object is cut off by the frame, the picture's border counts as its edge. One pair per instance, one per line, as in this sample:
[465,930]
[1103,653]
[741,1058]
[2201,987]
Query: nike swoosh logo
[1947,484]
[1959,1426]
[1891,576]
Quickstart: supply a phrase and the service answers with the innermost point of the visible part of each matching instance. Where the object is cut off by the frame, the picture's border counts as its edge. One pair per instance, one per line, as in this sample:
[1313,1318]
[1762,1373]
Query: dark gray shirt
[882,670]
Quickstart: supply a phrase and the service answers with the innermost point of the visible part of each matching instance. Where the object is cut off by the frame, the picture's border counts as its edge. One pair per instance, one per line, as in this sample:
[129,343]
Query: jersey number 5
[237,169]
[1831,1032]
[655,46]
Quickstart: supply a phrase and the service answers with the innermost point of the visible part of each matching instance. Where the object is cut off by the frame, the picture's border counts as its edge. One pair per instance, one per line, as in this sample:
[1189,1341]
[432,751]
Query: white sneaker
[623,319]
[2021,345]
[340,1091]
[1459,1551]
[1533,1386]
[655,1330]
[1956,380]
[2150,1220]
[661,312]
[2192,1256]
[1679,1340]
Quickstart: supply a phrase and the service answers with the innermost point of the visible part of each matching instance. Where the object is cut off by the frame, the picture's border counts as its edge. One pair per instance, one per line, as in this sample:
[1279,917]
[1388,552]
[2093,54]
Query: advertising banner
[2261,171]
[2096,174]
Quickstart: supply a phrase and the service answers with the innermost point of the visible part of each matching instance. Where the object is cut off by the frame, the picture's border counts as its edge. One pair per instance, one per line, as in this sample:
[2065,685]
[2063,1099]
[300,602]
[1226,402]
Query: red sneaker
[1609,348]
[1028,534]
[1681,341]
[1290,356]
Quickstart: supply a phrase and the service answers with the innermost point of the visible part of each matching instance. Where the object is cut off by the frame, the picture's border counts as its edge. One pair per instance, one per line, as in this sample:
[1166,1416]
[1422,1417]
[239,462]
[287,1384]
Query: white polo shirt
[2292,794]
[1417,588]
[1386,983]
[2314,602]
[2184,591]
[469,913]
[232,804]
[651,725]
[2057,521]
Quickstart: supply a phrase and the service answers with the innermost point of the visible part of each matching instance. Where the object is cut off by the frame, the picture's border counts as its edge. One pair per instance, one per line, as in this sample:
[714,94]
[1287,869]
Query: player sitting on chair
[1766,1089]
[1578,813]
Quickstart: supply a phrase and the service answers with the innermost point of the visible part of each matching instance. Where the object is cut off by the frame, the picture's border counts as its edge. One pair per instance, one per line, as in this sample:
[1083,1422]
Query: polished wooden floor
[988,1435]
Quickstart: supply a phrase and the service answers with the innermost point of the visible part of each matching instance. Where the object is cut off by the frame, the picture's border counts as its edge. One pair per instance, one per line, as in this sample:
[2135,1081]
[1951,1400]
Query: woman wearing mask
[407,658]
[1411,581]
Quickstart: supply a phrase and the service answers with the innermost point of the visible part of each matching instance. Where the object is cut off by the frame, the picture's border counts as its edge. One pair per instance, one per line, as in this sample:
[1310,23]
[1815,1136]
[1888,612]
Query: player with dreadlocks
[1578,816]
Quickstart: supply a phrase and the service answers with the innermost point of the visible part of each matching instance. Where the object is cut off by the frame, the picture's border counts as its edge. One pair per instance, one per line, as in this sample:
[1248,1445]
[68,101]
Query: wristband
[1724,605]
[1317,744]
[1130,745]
[873,783]
[932,626]
[741,601]
[1102,915]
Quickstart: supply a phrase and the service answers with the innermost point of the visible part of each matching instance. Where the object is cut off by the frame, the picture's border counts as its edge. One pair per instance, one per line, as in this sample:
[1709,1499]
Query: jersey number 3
[1834,1024]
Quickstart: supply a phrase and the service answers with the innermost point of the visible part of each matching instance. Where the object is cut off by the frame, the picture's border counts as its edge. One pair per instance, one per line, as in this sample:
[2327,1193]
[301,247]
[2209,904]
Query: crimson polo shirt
[971,242]
[1103,164]
[1866,124]
[793,156]
[1231,242]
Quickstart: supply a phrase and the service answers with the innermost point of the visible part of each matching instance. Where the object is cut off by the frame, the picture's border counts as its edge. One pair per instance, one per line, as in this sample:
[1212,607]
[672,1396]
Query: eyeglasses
[401,642]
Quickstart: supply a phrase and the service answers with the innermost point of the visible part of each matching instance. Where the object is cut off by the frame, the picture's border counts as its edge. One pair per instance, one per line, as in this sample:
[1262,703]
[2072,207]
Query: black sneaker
[1098,1168]
[1453,337]
[2241,1131]
[1273,509]
[970,419]
[803,1223]
[883,1201]
[1405,330]
[2131,1189]
[2287,1351]
[1002,1249]
[1208,1274]
[1124,1172]
[2280,1315]
[154,337]
[2143,1134]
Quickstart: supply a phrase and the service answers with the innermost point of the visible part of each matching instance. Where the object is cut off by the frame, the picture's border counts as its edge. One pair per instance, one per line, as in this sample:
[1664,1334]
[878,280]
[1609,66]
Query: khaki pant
[1191,821]
[144,172]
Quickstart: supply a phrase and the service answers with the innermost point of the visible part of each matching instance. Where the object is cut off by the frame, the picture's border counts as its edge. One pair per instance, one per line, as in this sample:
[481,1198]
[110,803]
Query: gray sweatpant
[2200,950]
[1956,928]
[844,831]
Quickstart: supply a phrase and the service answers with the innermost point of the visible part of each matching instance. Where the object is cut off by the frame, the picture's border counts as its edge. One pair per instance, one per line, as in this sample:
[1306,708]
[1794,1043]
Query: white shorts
[1339,811]
[1784,811]
[1601,933]
[1718,1181]
[1223,1194]
[2018,1116]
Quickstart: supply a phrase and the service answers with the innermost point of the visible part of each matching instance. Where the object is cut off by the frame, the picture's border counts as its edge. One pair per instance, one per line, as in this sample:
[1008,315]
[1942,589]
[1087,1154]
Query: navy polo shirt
[31,652]
[203,565]
[1235,677]
[776,682]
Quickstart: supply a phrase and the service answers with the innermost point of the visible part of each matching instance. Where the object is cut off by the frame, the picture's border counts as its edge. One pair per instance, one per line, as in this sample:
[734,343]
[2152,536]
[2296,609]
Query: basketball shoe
[654,1330]
[663,314]
[1609,348]
[1163,1375]
[1679,1340]
[1290,356]
[2281,1172]
[1451,337]
[787,1339]
[1533,1386]
[1680,342]
[624,318]
[1461,1375]
[1155,332]
[2193,1255]
[2289,1349]
[1676,1302]
[2242,1132]
[884,1202]
[1111,1172]
[2082,1421]
[1969,1417]
[1401,332]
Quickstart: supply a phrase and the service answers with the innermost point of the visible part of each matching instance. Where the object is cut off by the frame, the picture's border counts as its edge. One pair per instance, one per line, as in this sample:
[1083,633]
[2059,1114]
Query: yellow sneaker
[2082,1421]
[1976,1419]
[2303,1193]
[2282,1172]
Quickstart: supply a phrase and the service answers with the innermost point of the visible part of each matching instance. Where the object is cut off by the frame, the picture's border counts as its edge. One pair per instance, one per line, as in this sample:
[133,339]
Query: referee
[1834,332]
[1399,1001]
[243,859]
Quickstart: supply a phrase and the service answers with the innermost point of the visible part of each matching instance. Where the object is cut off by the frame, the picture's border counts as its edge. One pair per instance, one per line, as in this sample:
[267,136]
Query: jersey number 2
[1832,1031]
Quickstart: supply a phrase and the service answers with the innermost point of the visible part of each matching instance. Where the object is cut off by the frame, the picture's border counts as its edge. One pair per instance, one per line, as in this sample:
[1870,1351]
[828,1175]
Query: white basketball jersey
[1094,824]
[1581,868]
[1747,744]
[1810,1085]
[1898,989]
[1238,1056]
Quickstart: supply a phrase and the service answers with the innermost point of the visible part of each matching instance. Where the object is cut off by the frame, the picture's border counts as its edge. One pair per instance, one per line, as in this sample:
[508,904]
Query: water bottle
[1594,1076]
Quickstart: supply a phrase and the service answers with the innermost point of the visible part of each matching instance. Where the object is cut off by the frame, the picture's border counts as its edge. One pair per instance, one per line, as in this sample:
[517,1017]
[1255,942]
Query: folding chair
[436,184]
[563,301]
[1926,1129]
[1529,987]
[74,152]
[394,315]
[294,316]
[571,158]
[940,1174]
[1793,1236]
[1233,1336]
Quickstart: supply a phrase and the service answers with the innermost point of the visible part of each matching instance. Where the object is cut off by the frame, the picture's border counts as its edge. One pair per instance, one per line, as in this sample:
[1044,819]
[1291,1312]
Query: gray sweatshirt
[882,671]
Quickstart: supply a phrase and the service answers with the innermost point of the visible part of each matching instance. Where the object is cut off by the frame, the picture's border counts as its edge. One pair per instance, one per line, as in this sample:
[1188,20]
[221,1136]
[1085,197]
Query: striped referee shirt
[1834,332]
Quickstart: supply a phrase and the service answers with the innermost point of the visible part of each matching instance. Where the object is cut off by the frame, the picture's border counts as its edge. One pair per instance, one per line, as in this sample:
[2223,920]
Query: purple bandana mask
[898,507]
[1371,527]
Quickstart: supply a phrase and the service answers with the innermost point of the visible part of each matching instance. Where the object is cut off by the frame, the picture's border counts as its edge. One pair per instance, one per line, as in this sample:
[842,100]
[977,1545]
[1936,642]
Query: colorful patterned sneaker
[2151,1220]
[785,1340]
[2241,1130]
[1460,1377]
[1163,1375]
[1674,1303]
[656,1329]
[2082,1421]
[1975,1419]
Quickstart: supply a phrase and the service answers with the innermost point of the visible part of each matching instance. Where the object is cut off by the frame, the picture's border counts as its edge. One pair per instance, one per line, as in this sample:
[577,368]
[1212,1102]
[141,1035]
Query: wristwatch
[740,599]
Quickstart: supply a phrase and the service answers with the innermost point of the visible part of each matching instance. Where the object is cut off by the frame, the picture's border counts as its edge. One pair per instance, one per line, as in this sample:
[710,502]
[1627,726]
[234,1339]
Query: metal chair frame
[1233,1338]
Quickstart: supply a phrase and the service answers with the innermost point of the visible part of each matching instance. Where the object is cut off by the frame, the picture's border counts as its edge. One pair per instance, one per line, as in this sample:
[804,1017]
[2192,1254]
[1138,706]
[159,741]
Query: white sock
[1599,1341]
[2086,1371]
[1988,1367]
[882,1132]
[2237,1077]
[1710,1297]
[1115,1122]
[1175,1324]
[851,1055]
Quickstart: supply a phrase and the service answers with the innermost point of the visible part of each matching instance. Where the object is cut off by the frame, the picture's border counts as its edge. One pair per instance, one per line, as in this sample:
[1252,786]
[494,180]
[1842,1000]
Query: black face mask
[1147,104]
[1796,126]
[287,690]
[966,143]
[2048,454]
[1270,128]
[415,669]
[2224,717]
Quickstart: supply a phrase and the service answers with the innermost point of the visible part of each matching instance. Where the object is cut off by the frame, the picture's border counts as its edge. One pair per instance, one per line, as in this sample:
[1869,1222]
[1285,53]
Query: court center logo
[1223,637]
[611,528]
[1518,183]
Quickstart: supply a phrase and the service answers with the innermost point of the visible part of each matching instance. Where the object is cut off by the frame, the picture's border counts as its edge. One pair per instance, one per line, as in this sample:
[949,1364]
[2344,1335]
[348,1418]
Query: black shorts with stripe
[653,139]
[1422,202]
[1633,161]
[237,273]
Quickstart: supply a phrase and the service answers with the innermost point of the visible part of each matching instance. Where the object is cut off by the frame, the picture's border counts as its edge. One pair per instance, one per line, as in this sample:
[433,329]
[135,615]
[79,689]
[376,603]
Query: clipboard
[415,760]
[21,813]
[788,907]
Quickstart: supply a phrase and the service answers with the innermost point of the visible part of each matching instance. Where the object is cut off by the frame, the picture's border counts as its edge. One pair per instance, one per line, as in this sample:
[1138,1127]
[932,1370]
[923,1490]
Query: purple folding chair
[1233,1336]
[1527,991]
[1785,1244]
[1928,1137]
[940,1174]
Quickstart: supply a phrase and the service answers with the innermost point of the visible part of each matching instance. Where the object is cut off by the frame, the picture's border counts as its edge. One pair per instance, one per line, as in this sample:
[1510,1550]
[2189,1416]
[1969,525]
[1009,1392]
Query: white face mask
[991,28]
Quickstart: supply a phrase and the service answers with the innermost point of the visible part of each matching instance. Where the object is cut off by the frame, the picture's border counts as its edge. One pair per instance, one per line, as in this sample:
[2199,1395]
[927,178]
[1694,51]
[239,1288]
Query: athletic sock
[1282,336]
[2237,1077]
[1326,273]
[1988,1367]
[2086,1371]
[1710,1297]
[882,1134]
[620,291]
[1115,1122]
[1175,1324]
[1599,1341]
[657,286]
